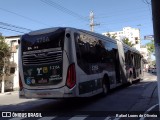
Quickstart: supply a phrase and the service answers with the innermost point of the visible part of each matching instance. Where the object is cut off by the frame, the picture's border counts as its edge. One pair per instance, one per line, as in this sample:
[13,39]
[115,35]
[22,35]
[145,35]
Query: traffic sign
[149,37]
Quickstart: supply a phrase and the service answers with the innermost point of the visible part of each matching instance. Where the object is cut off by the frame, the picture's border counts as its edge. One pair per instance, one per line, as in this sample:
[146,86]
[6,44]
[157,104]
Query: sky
[112,15]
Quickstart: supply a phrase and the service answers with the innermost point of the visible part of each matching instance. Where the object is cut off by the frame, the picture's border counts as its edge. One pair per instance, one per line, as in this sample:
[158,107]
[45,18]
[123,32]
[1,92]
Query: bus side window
[109,52]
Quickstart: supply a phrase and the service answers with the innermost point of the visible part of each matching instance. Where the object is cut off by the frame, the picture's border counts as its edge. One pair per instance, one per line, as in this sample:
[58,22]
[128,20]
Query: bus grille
[42,58]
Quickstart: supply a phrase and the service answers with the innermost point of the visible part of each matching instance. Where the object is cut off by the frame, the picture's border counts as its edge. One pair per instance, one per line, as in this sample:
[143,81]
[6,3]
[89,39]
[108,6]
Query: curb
[148,92]
[8,93]
[151,110]
[145,98]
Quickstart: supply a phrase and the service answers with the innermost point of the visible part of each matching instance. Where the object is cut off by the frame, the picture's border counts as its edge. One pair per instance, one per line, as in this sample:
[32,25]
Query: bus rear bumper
[63,92]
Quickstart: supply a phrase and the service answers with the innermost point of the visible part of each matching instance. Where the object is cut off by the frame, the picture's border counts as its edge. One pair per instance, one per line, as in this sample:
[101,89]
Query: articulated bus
[68,62]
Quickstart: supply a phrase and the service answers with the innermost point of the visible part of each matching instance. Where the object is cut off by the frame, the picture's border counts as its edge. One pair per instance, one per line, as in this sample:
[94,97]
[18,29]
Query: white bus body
[68,62]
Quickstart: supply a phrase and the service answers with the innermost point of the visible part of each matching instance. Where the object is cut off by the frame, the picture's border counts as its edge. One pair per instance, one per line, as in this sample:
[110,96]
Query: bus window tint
[36,42]
[91,51]
[88,52]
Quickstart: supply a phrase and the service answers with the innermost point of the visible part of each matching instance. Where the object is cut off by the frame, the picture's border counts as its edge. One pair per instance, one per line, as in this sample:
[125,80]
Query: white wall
[128,32]
[14,78]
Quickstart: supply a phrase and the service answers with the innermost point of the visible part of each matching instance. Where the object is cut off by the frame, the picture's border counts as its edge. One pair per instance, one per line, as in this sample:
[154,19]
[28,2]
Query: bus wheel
[105,87]
[130,78]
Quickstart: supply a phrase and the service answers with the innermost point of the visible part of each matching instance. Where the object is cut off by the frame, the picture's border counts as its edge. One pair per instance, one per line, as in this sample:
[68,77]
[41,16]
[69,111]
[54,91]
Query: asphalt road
[134,98]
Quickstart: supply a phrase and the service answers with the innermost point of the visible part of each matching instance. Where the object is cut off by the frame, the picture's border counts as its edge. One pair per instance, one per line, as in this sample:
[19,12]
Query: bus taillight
[20,83]
[71,76]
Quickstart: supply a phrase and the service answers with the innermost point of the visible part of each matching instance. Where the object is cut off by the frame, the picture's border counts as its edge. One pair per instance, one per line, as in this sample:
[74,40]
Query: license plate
[42,81]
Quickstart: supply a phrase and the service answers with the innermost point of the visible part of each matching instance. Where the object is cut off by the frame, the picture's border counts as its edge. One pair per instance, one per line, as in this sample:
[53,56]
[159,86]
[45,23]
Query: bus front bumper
[63,92]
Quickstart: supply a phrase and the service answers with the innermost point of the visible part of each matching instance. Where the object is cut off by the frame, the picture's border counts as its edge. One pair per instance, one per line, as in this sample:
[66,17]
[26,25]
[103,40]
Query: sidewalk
[9,93]
[152,92]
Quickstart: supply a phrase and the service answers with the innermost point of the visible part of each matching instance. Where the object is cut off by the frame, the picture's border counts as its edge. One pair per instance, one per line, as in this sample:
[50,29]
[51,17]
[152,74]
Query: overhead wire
[64,10]
[10,25]
[147,2]
[56,6]
[11,29]
[22,16]
[124,20]
[109,16]
[14,28]
[48,2]
[120,13]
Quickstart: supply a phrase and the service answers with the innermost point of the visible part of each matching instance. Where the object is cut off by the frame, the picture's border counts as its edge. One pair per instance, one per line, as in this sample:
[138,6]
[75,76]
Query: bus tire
[130,79]
[105,86]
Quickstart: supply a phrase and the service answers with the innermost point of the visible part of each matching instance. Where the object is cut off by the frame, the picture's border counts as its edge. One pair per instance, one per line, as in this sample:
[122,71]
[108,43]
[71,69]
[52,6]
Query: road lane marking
[107,118]
[16,118]
[79,117]
[47,118]
[151,108]
[143,118]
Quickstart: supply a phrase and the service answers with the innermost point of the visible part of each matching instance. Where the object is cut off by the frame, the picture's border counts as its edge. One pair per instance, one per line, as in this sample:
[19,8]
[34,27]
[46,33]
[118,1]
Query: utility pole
[156,28]
[3,77]
[92,24]
[3,71]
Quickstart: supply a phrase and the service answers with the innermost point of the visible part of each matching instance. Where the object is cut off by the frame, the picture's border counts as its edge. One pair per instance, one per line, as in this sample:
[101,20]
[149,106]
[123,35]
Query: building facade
[133,34]
[146,57]
[12,76]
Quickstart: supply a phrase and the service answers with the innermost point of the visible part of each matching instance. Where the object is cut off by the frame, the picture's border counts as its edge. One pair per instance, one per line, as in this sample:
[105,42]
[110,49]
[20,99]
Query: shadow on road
[72,105]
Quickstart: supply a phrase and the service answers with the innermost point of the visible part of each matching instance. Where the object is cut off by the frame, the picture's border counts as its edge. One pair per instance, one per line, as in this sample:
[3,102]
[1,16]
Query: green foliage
[111,36]
[153,62]
[126,41]
[4,53]
[150,47]
[4,47]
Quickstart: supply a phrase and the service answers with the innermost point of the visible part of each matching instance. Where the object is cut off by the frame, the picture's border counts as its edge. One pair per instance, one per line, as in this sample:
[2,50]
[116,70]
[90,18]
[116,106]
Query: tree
[3,45]
[4,60]
[126,41]
[4,51]
[111,36]
[150,47]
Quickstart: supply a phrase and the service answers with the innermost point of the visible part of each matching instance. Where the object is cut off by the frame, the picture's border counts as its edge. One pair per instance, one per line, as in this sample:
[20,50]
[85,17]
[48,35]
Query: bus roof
[48,30]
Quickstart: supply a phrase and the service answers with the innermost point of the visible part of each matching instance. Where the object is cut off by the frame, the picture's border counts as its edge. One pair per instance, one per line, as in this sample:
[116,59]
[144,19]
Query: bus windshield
[43,41]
